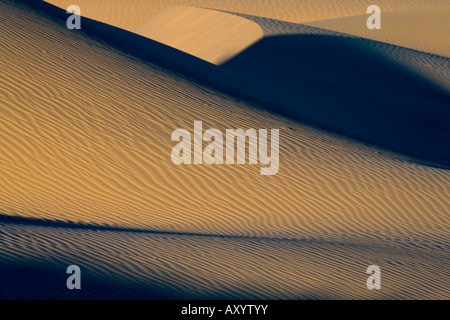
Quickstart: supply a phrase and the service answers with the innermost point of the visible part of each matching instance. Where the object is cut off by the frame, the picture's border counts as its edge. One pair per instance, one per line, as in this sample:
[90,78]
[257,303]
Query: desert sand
[420,24]
[421,29]
[86,176]
[200,32]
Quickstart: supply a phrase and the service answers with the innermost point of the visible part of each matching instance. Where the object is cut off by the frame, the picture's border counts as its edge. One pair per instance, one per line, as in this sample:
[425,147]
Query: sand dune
[207,34]
[271,74]
[430,66]
[423,29]
[85,139]
[406,23]
[120,265]
[296,69]
[131,14]
[104,145]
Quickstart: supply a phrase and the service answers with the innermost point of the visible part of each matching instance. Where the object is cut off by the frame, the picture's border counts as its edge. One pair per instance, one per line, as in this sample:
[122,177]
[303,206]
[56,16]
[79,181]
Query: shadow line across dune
[338,83]
[47,223]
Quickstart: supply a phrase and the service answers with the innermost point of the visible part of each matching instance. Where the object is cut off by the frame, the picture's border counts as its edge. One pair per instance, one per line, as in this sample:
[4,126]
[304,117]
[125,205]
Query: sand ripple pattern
[85,137]
[118,265]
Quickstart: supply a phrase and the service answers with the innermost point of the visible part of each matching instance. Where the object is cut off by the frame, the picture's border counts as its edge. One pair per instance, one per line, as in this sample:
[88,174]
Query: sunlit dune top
[207,34]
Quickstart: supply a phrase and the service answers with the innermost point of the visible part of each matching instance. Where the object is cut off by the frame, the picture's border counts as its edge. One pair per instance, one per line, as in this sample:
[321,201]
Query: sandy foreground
[86,175]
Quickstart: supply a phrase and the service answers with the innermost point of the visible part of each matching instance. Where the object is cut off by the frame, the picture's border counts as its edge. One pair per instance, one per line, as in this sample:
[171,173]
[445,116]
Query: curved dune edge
[352,89]
[209,35]
[399,17]
[134,13]
[406,23]
[424,29]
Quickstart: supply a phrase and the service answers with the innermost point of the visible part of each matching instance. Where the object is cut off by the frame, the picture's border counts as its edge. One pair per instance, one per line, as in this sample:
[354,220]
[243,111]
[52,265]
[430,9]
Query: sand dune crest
[207,34]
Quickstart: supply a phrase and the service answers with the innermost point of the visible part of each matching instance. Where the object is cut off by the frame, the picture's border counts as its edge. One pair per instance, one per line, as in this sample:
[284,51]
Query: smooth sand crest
[85,137]
[424,29]
[130,14]
[419,24]
[207,34]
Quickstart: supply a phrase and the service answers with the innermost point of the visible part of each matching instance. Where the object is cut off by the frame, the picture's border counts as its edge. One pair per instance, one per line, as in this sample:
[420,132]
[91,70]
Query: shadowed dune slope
[345,85]
[131,265]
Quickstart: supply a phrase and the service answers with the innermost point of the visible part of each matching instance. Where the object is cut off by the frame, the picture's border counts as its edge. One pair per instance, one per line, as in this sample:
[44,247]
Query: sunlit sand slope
[207,34]
[130,14]
[424,29]
[85,139]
